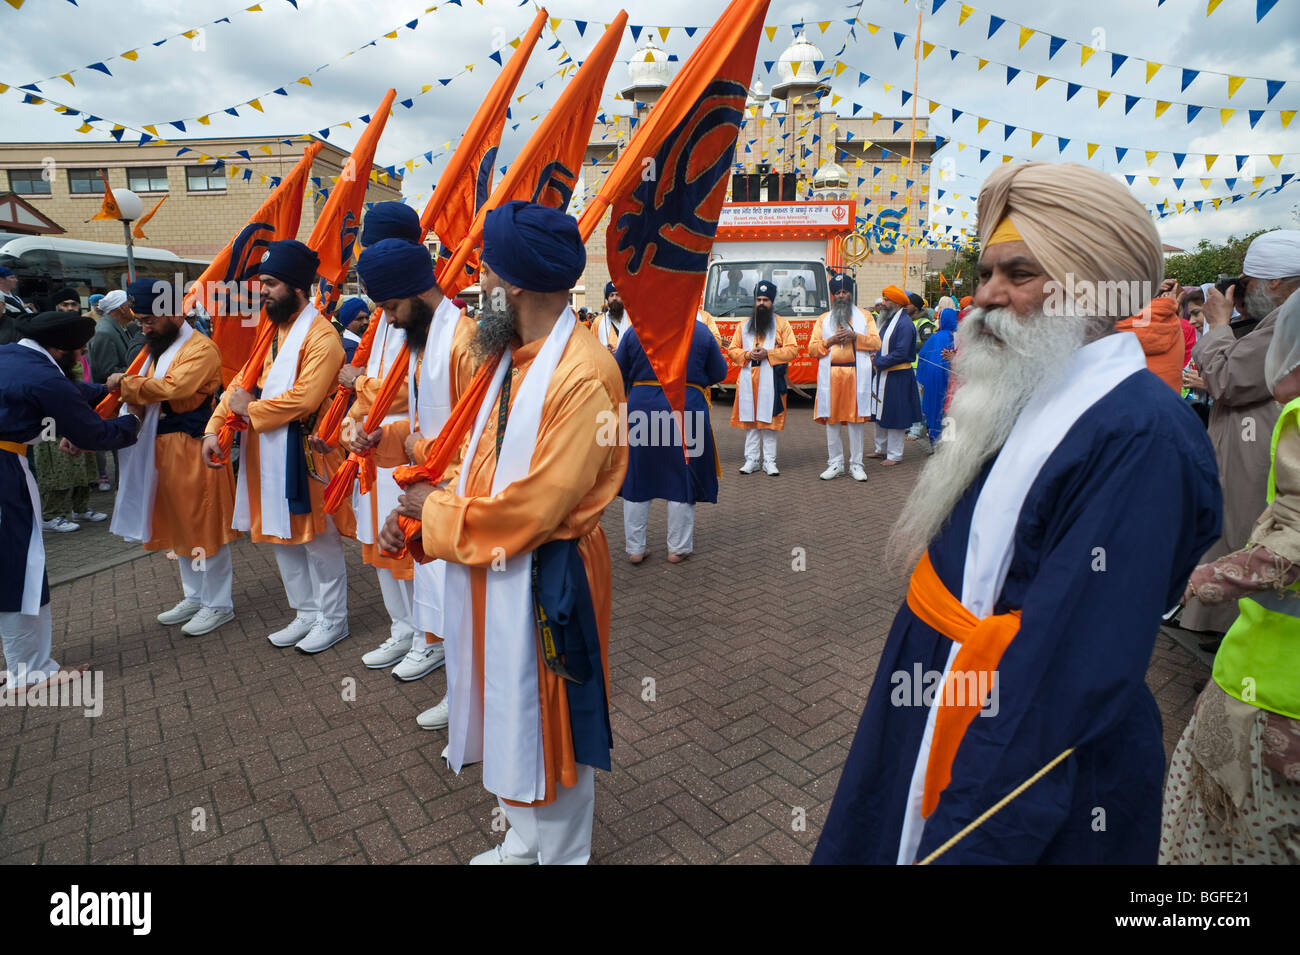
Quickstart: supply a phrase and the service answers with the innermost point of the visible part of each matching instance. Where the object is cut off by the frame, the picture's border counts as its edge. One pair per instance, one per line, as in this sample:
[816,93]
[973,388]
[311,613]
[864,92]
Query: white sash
[387,343]
[137,485]
[272,445]
[430,407]
[745,380]
[863,370]
[604,327]
[503,728]
[1093,372]
[35,571]
[879,376]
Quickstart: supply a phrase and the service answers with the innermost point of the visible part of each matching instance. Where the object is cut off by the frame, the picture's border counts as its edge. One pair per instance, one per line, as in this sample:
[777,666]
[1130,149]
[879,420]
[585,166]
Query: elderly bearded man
[1058,519]
[518,523]
[166,498]
[841,341]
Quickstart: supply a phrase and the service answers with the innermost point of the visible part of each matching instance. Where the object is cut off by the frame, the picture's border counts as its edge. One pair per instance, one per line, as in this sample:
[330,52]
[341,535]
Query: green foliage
[1207,261]
[962,265]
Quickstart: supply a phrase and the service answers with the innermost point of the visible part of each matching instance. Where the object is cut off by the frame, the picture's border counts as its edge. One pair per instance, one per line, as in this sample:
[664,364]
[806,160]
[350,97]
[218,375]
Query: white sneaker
[422,658]
[749,467]
[437,717]
[495,856]
[322,636]
[298,628]
[60,525]
[105,485]
[388,652]
[180,613]
[832,472]
[207,620]
[92,516]
[858,472]
[769,467]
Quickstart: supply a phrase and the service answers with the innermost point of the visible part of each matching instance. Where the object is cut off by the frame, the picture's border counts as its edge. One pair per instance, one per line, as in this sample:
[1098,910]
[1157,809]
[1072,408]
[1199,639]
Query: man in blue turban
[614,322]
[762,345]
[351,318]
[518,523]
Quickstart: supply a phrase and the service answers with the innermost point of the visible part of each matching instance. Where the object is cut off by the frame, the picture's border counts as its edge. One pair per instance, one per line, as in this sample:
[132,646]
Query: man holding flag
[166,498]
[278,499]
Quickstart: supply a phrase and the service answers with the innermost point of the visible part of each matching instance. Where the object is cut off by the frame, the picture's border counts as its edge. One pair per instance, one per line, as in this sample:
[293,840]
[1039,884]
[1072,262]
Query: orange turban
[895,295]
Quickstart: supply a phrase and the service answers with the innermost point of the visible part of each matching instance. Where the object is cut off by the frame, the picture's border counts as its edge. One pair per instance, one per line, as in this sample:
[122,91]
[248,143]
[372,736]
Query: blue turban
[5,273]
[290,261]
[95,299]
[390,220]
[765,289]
[841,283]
[351,310]
[534,247]
[153,297]
[395,268]
[609,287]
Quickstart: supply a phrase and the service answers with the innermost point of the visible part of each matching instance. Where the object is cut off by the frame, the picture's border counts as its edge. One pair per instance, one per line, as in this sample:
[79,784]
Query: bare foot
[63,675]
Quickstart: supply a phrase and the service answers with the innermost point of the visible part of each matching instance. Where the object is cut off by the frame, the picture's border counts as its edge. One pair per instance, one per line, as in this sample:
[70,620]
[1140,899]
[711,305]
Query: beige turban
[1083,227]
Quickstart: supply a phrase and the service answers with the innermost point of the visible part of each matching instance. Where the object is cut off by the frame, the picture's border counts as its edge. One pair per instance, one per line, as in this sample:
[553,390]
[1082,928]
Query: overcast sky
[258,52]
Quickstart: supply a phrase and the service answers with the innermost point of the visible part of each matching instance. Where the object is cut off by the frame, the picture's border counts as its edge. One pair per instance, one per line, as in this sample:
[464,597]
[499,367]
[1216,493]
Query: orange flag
[547,168]
[138,231]
[462,189]
[334,235]
[217,291]
[662,225]
[109,210]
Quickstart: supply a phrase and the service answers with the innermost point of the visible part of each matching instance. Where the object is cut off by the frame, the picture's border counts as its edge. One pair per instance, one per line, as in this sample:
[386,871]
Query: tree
[962,267]
[1207,261]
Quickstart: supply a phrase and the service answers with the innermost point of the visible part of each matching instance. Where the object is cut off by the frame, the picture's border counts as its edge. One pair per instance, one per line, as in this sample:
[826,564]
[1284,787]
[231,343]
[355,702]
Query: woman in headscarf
[932,373]
[1233,792]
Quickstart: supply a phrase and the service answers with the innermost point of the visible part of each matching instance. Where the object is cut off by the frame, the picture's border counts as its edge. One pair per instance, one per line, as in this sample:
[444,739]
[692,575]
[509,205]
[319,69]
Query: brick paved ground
[759,676]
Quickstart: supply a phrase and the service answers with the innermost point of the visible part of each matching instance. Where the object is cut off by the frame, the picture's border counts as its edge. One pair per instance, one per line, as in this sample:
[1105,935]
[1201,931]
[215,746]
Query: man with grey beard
[1243,413]
[841,342]
[1060,516]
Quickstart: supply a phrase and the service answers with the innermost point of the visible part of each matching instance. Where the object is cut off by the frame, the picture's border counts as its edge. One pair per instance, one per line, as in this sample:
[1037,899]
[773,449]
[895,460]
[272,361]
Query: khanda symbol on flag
[349,229]
[555,186]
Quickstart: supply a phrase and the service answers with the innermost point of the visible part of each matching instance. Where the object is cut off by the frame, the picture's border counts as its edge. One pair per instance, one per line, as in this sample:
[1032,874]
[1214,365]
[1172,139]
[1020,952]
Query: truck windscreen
[800,287]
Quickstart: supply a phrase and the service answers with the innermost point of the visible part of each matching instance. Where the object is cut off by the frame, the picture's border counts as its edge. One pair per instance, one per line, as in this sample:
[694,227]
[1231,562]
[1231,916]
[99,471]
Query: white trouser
[889,442]
[835,444]
[315,575]
[399,601]
[27,640]
[752,439]
[211,585]
[681,526]
[557,834]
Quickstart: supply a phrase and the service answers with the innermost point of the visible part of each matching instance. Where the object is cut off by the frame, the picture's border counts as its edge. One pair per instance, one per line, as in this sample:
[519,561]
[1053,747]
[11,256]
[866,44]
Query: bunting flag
[661,227]
[138,231]
[109,209]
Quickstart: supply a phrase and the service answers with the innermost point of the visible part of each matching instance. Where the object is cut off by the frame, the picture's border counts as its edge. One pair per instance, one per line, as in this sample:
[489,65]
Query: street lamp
[130,205]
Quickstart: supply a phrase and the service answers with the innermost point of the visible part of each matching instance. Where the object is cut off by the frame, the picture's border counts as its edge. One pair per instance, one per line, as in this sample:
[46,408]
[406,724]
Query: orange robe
[713,327]
[571,481]
[194,503]
[786,351]
[319,362]
[844,378]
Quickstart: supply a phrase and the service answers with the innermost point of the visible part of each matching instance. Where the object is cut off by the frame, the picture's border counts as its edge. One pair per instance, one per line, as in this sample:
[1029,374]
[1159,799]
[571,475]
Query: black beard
[842,312]
[420,316]
[763,321]
[280,310]
[496,329]
[70,365]
[616,311]
[161,341]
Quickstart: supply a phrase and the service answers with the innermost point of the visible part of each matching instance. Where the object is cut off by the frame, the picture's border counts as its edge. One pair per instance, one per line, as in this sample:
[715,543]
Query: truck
[794,245]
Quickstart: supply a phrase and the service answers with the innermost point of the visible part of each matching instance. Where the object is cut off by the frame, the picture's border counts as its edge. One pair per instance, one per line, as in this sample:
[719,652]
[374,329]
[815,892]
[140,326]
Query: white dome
[830,175]
[803,53]
[649,66]
[757,95]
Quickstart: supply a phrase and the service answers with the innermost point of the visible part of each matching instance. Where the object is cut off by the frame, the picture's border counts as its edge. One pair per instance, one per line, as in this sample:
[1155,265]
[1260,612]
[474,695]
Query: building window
[147,179]
[29,182]
[85,182]
[204,179]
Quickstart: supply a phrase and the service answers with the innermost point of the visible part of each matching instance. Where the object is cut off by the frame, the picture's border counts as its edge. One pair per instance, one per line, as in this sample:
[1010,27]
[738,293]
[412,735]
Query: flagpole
[911,148]
[130,251]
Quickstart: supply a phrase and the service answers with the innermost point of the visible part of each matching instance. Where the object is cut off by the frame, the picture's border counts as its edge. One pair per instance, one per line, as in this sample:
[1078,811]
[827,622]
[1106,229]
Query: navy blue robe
[32,390]
[662,472]
[1135,476]
[900,402]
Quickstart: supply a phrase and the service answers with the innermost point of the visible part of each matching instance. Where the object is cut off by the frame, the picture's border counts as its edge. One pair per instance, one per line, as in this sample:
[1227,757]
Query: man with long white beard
[518,522]
[398,275]
[895,402]
[762,345]
[842,341]
[1067,502]
[611,325]
[279,498]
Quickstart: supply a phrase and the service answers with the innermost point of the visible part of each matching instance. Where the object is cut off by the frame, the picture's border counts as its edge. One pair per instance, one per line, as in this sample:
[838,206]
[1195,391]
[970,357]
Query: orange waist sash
[983,641]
